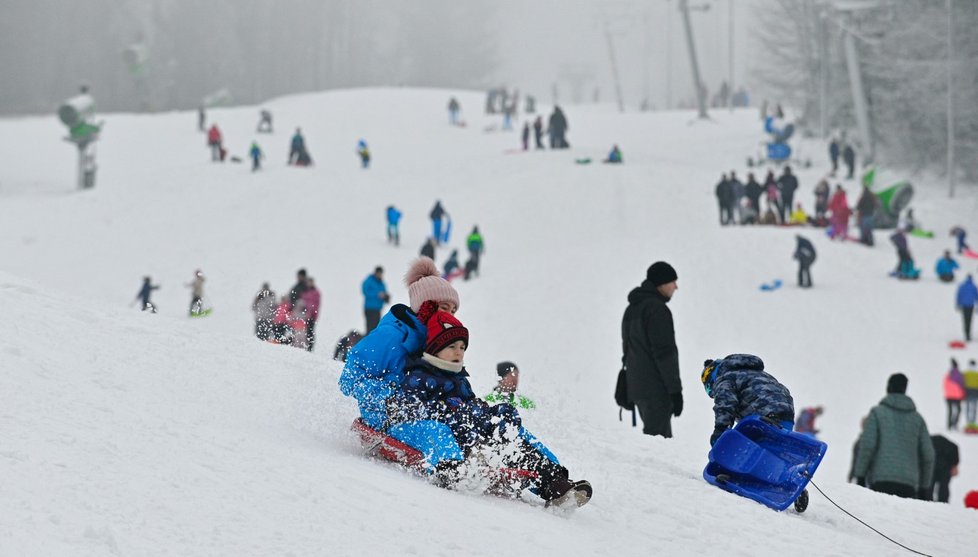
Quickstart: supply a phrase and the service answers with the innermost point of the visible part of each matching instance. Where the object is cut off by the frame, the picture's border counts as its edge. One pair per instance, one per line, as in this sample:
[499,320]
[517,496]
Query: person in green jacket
[505,390]
[895,453]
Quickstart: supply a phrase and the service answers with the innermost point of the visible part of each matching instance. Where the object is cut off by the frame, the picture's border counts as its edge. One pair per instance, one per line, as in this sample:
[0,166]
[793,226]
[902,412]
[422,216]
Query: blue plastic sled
[769,286]
[763,462]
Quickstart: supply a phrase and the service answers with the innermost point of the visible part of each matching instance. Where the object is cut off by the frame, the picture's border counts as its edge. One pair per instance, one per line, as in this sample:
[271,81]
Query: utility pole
[669,56]
[697,82]
[730,54]
[950,106]
[614,66]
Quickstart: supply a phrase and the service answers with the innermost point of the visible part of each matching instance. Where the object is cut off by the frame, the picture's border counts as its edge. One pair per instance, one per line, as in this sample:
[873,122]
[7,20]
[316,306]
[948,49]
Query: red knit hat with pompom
[443,328]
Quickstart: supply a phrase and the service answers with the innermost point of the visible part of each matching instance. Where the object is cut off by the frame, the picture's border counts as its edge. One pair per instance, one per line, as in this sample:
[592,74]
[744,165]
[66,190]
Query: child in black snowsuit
[436,387]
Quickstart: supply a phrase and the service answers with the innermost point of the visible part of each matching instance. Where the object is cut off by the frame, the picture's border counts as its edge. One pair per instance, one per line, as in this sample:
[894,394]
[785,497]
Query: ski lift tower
[78,114]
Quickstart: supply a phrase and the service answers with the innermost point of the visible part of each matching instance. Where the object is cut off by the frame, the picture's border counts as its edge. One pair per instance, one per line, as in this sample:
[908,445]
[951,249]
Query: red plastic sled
[958,344]
[388,448]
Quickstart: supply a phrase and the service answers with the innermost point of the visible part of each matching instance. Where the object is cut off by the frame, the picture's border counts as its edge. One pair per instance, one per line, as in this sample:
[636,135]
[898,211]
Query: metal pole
[950,107]
[858,97]
[823,50]
[614,67]
[645,58]
[697,83]
[669,56]
[730,39]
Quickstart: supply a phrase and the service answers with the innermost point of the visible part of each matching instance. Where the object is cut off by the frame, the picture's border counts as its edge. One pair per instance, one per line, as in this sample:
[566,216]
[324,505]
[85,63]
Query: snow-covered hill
[123,433]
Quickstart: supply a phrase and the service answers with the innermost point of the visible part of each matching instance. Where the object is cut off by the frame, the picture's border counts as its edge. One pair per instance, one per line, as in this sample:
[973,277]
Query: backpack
[621,394]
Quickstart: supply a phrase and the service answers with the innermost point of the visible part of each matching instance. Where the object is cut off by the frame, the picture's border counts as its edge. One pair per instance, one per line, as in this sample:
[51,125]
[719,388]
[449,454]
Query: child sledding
[417,406]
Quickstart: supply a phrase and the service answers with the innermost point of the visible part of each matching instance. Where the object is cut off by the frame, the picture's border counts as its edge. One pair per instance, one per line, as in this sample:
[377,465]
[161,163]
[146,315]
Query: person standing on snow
[538,132]
[393,219]
[526,135]
[196,287]
[821,202]
[364,153]
[954,393]
[849,155]
[724,193]
[301,285]
[256,156]
[375,296]
[650,354]
[436,215]
[946,460]
[265,121]
[866,209]
[428,249]
[960,235]
[787,184]
[895,454]
[967,297]
[453,109]
[557,128]
[971,395]
[215,142]
[834,155]
[264,307]
[753,191]
[311,299]
[805,254]
[839,206]
[740,387]
[737,191]
[476,247]
[297,147]
[144,293]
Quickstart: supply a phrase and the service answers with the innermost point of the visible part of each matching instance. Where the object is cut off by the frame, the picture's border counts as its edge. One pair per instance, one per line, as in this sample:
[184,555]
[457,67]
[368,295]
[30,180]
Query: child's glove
[717,432]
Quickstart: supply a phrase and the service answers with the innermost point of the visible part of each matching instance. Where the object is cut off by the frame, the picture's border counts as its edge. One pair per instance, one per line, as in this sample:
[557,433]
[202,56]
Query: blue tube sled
[761,461]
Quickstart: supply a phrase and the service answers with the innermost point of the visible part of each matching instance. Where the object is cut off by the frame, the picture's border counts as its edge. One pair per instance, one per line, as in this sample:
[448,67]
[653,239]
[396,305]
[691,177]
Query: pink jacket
[312,300]
[954,385]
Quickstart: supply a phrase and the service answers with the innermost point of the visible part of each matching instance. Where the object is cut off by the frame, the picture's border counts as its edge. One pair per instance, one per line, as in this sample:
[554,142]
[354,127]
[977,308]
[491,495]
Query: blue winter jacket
[372,288]
[945,266]
[374,374]
[742,388]
[375,366]
[393,215]
[967,293]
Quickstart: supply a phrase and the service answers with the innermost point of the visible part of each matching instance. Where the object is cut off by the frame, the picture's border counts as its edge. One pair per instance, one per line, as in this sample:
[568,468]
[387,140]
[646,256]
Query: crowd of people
[290,319]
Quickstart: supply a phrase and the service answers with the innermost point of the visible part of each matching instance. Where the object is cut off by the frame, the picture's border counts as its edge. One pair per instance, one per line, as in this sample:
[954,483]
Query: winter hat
[660,273]
[897,383]
[504,368]
[443,330]
[424,283]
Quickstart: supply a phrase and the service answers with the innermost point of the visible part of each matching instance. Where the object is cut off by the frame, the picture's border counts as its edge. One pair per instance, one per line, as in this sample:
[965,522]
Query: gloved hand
[861,481]
[677,403]
[717,432]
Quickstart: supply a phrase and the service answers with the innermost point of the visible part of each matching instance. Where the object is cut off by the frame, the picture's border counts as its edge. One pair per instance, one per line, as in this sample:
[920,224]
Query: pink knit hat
[424,283]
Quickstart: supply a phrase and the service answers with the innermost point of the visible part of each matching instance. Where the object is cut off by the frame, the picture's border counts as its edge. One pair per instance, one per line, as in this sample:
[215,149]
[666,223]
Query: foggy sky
[48,47]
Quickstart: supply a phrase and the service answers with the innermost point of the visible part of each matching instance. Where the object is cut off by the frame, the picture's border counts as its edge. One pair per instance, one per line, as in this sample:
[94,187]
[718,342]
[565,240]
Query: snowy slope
[132,434]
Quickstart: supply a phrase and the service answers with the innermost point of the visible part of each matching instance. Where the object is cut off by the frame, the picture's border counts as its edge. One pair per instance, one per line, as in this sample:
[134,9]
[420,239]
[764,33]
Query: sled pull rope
[863,523]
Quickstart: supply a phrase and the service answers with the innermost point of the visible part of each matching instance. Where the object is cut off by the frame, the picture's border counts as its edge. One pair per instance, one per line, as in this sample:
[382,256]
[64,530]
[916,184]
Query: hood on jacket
[899,402]
[644,292]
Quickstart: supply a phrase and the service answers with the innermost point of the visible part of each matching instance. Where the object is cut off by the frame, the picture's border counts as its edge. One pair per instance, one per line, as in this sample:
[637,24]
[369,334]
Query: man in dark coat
[724,192]
[805,254]
[300,287]
[428,249]
[651,355]
[849,155]
[865,211]
[787,184]
[753,191]
[946,460]
[558,128]
[834,155]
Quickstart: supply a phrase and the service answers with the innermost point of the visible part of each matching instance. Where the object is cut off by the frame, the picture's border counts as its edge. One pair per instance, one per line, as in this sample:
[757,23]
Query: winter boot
[577,495]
